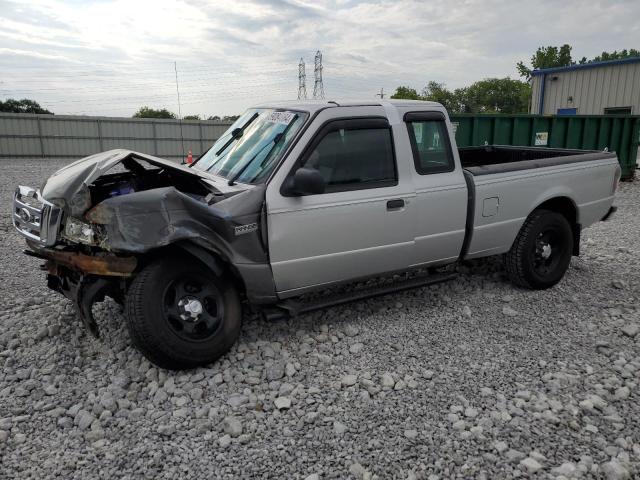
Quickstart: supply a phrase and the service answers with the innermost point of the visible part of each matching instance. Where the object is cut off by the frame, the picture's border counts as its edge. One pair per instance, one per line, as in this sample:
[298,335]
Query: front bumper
[85,279]
[82,278]
[103,264]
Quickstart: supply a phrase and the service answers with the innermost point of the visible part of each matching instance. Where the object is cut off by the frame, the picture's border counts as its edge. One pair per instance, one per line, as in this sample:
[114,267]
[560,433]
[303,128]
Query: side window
[350,159]
[430,145]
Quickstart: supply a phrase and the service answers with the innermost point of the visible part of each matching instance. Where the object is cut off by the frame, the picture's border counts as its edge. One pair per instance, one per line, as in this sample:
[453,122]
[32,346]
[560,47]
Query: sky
[109,57]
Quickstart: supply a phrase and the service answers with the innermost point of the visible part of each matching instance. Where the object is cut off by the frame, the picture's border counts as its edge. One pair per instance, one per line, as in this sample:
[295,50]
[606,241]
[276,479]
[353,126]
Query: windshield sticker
[280,117]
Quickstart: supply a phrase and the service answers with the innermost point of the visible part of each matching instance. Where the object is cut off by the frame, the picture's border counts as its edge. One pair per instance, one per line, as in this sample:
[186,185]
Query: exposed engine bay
[133,175]
[139,175]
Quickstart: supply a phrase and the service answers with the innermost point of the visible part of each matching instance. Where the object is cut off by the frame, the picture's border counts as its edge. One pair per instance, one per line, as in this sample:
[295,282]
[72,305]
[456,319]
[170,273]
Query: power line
[198,85]
[211,91]
[280,93]
[132,87]
[302,81]
[49,78]
[98,96]
[129,110]
[119,69]
[318,87]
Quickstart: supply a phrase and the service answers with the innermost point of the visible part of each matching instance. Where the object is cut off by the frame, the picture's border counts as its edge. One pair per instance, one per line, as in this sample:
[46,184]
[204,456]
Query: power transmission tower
[302,81]
[318,88]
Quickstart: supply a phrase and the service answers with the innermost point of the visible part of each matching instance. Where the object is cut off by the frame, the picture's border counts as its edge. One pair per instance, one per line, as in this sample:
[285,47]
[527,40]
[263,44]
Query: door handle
[395,204]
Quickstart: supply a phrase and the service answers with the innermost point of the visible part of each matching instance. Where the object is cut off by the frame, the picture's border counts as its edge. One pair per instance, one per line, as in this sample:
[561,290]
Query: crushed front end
[97,221]
[84,278]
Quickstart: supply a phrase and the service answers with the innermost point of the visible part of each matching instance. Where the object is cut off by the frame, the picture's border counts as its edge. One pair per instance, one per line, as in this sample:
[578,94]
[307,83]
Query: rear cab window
[430,142]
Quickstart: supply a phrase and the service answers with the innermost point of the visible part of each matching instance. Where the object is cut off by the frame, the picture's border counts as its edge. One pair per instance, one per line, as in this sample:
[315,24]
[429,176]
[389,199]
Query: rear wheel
[541,252]
[180,315]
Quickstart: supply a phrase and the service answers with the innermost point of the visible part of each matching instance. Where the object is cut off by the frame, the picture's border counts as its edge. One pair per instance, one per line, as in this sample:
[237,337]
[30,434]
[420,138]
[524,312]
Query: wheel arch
[566,207]
[254,281]
[208,257]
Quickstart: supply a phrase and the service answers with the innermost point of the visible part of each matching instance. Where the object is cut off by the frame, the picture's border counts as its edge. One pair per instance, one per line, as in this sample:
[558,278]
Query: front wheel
[541,252]
[180,315]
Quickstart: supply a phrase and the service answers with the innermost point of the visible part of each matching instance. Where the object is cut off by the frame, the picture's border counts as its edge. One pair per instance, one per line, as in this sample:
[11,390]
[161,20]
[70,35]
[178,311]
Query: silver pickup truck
[295,198]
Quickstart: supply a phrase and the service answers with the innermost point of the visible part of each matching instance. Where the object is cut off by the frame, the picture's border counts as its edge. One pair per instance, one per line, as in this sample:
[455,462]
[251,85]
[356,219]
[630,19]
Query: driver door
[360,226]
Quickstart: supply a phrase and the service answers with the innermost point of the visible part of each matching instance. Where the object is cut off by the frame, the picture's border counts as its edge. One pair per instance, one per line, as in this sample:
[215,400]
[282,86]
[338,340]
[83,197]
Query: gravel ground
[469,379]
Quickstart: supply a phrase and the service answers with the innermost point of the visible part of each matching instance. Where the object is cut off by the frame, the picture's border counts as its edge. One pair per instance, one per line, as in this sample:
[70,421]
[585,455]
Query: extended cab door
[440,206]
[361,224]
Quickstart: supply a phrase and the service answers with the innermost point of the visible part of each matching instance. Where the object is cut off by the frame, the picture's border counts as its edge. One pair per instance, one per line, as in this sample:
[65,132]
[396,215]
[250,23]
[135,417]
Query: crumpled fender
[146,220]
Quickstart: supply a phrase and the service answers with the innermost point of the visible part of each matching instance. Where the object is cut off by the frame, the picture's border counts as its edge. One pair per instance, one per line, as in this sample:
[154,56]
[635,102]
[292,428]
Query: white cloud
[31,53]
[110,57]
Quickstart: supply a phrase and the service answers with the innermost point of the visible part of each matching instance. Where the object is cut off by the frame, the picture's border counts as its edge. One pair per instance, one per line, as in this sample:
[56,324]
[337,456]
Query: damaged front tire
[181,315]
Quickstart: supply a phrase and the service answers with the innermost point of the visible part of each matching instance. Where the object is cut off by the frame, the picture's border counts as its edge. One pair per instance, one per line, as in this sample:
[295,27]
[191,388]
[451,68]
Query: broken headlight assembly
[80,202]
[76,230]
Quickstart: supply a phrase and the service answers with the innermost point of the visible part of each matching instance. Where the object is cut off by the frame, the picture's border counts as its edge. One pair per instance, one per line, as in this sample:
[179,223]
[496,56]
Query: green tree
[438,92]
[147,112]
[502,95]
[406,93]
[22,106]
[615,55]
[546,57]
[226,118]
[550,57]
[433,92]
[191,117]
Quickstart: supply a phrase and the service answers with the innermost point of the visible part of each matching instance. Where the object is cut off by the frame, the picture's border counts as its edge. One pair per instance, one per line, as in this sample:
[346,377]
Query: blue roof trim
[568,68]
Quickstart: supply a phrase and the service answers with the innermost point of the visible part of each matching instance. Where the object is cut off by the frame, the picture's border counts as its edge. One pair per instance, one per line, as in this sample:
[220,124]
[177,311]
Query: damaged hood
[69,180]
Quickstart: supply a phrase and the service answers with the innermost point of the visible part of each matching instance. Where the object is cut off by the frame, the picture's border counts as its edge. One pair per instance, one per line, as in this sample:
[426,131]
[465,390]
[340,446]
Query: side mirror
[308,181]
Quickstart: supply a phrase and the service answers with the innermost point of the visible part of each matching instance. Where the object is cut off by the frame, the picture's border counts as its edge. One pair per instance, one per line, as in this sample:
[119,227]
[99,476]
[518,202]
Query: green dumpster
[616,133]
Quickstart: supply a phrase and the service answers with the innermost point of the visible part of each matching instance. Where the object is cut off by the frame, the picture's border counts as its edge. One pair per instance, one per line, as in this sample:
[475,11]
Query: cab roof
[312,106]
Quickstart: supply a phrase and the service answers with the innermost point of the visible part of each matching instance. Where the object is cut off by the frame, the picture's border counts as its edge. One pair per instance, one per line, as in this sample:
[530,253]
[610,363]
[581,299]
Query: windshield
[249,150]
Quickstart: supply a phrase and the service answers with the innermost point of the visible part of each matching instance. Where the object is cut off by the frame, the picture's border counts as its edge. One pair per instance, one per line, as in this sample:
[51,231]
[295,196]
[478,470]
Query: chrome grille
[34,217]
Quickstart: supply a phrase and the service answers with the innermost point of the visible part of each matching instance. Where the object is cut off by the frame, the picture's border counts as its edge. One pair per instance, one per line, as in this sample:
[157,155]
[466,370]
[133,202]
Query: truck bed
[499,204]
[485,160]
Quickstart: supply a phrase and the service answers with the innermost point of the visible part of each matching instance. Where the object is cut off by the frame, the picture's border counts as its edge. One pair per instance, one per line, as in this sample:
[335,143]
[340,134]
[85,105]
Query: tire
[163,319]
[540,254]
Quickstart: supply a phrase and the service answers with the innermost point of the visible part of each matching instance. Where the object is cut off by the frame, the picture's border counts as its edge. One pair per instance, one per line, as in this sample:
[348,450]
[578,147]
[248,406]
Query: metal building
[610,87]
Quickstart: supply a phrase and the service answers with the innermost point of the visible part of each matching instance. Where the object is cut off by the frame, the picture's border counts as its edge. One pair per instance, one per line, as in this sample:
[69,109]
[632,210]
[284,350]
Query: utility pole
[302,80]
[175,68]
[318,87]
[381,94]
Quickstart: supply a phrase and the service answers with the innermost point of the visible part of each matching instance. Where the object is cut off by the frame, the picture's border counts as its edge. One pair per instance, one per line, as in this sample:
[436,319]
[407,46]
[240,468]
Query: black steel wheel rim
[193,308]
[548,251]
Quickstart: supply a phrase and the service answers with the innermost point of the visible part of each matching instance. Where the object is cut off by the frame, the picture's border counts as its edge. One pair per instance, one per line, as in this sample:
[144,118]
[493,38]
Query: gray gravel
[473,378]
